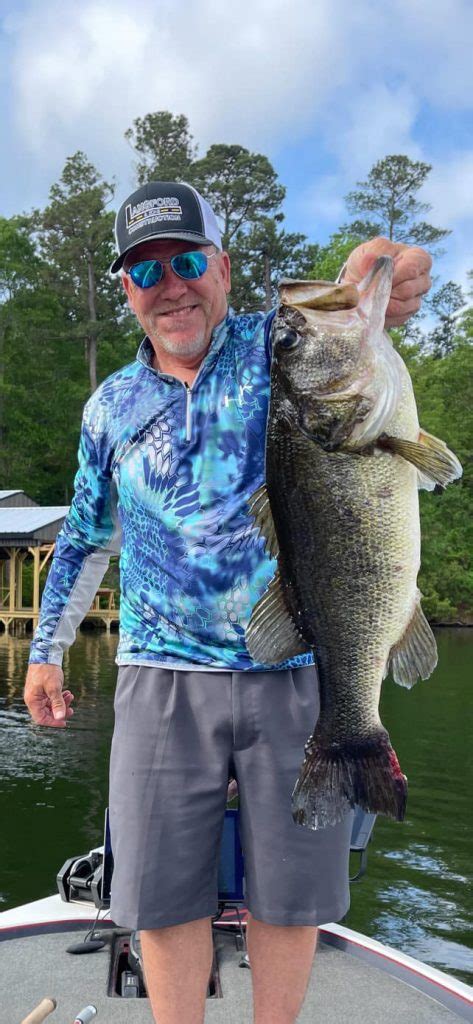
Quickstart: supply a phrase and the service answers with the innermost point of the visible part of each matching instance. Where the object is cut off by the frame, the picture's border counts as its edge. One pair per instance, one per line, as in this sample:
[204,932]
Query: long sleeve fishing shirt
[165,474]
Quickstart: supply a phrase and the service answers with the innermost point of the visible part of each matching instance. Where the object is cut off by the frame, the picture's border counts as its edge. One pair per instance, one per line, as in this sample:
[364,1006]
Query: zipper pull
[188,411]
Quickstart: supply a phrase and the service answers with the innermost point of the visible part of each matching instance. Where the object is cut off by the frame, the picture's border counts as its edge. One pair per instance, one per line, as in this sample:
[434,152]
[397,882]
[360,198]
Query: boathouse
[28,531]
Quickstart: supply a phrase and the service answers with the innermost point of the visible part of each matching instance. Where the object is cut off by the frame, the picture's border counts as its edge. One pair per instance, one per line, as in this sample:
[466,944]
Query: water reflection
[421,859]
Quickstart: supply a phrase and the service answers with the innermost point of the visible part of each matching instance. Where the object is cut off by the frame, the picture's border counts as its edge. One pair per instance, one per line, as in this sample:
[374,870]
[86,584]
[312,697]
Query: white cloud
[378,120]
[449,189]
[347,79]
[432,47]
[246,75]
[253,71]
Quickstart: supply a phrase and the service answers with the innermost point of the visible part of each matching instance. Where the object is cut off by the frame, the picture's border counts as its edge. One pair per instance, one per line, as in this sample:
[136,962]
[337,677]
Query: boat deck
[342,986]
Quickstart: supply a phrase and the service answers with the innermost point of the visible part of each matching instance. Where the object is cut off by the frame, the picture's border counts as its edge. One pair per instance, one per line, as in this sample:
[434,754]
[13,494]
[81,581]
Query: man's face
[179,316]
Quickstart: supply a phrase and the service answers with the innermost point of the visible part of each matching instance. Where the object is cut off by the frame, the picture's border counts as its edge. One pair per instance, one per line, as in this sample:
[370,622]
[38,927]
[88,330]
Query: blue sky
[323,87]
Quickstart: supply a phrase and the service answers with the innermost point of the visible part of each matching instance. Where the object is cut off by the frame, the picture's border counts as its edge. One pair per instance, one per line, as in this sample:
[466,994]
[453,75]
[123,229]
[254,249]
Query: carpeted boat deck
[342,988]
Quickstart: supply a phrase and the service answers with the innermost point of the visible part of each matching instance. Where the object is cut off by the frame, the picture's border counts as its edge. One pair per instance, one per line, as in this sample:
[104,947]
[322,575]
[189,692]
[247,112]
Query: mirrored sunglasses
[188,265]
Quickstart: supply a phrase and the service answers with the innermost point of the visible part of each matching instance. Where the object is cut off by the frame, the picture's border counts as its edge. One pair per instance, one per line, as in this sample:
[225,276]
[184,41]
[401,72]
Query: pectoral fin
[415,655]
[271,634]
[261,511]
[435,462]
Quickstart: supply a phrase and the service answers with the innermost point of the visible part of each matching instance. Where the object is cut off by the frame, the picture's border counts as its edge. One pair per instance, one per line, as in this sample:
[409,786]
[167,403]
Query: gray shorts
[178,735]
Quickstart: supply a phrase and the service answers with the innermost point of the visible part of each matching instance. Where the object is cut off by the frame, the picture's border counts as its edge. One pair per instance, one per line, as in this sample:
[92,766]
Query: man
[172,447]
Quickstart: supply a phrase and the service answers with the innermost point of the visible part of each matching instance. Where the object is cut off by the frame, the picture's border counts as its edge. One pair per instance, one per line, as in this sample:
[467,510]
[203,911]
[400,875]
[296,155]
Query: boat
[354,978]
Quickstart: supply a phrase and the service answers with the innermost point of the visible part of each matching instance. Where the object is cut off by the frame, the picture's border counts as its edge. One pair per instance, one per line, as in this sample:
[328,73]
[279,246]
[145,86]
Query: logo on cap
[152,211]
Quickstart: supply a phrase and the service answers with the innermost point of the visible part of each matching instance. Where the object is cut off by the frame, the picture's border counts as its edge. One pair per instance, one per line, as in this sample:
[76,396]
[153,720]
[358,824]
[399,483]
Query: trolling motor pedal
[130,985]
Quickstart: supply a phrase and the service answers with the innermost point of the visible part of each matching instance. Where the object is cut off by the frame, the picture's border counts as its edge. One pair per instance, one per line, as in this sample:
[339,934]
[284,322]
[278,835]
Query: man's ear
[128,286]
[226,271]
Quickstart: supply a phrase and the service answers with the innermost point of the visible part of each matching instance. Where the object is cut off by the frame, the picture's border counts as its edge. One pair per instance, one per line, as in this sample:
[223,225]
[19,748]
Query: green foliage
[261,257]
[19,264]
[329,259]
[240,186]
[49,320]
[75,240]
[444,392]
[389,195]
[164,143]
[445,303]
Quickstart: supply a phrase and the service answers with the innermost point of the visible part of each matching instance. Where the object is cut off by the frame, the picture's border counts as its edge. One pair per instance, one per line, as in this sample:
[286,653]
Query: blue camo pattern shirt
[165,474]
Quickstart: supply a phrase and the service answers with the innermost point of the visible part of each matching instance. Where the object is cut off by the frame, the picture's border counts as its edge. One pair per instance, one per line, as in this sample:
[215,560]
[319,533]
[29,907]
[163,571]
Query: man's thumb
[58,706]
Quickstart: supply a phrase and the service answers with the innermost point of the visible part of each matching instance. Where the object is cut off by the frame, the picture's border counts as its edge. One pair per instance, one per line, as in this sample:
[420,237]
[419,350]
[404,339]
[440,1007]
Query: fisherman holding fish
[172,452]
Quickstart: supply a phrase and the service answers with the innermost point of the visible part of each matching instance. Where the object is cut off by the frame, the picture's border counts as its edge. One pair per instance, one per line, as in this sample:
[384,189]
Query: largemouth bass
[344,458]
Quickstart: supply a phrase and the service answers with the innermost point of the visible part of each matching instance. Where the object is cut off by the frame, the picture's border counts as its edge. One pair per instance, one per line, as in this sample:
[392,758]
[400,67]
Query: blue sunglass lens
[146,274]
[189,265]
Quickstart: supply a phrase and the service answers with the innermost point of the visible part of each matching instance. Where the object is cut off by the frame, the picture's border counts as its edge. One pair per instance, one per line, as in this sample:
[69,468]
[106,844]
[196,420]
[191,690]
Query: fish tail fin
[336,776]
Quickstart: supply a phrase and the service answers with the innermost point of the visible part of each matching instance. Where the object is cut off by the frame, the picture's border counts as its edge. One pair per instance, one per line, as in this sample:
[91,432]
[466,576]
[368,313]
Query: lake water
[417,894]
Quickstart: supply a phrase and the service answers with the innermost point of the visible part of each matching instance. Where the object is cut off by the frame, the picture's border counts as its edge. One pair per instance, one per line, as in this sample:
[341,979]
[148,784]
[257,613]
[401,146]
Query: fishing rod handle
[40,1012]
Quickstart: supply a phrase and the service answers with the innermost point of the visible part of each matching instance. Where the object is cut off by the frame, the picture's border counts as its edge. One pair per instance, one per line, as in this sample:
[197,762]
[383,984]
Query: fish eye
[289,339]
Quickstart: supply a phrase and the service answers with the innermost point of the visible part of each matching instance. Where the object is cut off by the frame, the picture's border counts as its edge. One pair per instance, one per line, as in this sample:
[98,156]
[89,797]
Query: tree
[445,303]
[18,270]
[329,259]
[75,234]
[261,257]
[241,187]
[165,146]
[37,380]
[389,194]
[18,259]
[444,393]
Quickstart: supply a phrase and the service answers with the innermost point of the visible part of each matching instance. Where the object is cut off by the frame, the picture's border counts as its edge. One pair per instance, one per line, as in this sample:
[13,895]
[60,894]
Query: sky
[324,88]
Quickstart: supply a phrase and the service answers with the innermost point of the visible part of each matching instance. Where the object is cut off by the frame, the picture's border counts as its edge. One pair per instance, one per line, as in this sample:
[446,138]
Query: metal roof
[8,494]
[25,520]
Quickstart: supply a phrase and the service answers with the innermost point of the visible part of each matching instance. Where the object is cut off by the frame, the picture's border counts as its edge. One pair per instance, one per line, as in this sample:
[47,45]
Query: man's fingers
[411,288]
[410,261]
[398,312]
[47,703]
[413,262]
[362,258]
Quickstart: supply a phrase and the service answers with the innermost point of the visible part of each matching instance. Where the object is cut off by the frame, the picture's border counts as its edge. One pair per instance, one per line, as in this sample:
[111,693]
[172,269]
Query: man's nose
[171,284]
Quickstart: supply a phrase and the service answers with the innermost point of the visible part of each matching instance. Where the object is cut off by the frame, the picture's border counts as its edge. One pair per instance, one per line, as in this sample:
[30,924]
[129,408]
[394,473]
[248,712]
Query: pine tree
[241,187]
[75,234]
[164,145]
[389,196]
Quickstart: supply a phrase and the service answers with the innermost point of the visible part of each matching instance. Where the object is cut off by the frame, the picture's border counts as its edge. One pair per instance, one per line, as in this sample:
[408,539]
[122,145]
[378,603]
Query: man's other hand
[47,702]
[411,278]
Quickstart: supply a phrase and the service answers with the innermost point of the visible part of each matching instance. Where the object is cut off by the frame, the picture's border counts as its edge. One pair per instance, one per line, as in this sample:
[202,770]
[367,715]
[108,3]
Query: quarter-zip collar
[146,352]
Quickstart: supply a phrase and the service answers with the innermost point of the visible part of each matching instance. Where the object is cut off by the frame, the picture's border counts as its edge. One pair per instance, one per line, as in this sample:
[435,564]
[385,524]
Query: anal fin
[415,654]
[271,635]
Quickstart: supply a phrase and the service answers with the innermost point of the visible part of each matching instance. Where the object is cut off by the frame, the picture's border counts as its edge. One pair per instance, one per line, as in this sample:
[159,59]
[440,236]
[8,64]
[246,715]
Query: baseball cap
[164,209]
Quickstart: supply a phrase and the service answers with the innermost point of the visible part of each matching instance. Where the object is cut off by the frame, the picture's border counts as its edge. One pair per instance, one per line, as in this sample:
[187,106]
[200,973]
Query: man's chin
[175,345]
